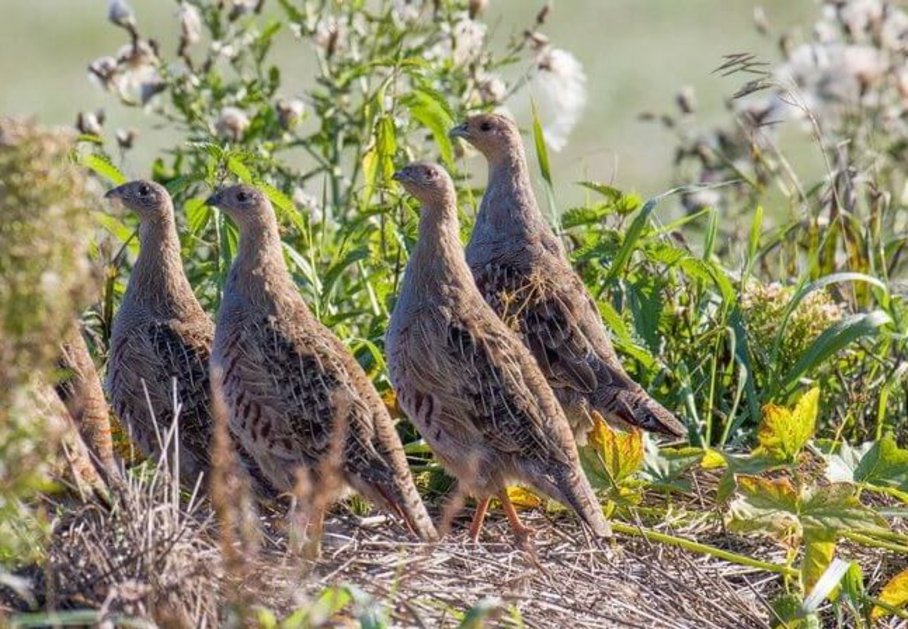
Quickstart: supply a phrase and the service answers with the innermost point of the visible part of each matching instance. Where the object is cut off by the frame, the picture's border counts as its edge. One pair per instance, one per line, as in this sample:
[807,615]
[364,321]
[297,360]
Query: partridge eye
[485,126]
[144,190]
[242,197]
[430,174]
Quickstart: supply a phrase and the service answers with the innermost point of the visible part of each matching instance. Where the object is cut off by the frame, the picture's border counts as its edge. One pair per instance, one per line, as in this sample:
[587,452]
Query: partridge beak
[460,131]
[114,193]
[400,175]
[215,199]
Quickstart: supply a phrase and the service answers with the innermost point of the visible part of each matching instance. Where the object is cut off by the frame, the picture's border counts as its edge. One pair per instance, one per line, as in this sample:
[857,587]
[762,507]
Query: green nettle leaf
[102,166]
[885,465]
[237,167]
[783,433]
[197,214]
[430,109]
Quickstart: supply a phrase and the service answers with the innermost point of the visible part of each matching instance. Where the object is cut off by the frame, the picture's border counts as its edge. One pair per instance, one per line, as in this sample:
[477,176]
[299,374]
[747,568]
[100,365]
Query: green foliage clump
[45,221]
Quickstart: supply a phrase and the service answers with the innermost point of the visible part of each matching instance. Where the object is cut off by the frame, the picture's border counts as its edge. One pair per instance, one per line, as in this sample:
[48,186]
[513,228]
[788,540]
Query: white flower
[492,89]
[308,204]
[90,123]
[860,16]
[190,24]
[559,88]
[330,35]
[102,72]
[406,11]
[894,32]
[227,51]
[231,123]
[289,112]
[120,14]
[126,138]
[468,38]
[834,73]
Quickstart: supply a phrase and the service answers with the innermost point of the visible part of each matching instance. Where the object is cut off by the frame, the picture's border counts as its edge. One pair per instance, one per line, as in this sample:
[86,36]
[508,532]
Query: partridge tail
[569,486]
[404,499]
[635,407]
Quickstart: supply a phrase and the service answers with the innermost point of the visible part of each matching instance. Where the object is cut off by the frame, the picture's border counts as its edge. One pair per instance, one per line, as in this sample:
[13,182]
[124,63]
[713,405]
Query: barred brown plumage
[470,386]
[522,271]
[160,345]
[296,397]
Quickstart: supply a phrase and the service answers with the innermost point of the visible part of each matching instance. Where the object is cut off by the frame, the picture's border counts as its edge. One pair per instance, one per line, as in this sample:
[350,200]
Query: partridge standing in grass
[161,343]
[79,387]
[471,387]
[295,395]
[522,271]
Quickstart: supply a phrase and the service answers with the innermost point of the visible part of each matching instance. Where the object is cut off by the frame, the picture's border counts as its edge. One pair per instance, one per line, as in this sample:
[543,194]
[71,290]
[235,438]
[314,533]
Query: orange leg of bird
[521,530]
[478,518]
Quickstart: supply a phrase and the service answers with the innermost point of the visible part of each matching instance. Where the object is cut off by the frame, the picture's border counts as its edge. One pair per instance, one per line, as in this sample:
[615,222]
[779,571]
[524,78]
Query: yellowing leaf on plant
[894,594]
[389,399]
[767,506]
[523,498]
[621,454]
[712,459]
[819,549]
[784,432]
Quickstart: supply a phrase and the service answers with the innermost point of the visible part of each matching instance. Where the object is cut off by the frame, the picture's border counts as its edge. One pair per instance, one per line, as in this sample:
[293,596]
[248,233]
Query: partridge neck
[158,280]
[259,270]
[437,265]
[509,210]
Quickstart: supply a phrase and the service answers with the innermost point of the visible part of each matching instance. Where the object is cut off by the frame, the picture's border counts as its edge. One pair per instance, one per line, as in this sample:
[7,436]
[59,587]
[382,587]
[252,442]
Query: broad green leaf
[102,166]
[736,464]
[819,549]
[430,108]
[783,432]
[765,505]
[836,507]
[842,459]
[788,613]
[894,594]
[885,465]
[198,213]
[668,467]
[237,167]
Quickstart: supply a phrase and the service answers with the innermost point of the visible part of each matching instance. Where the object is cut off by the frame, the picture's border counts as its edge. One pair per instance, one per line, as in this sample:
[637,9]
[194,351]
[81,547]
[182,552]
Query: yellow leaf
[819,549]
[784,432]
[894,593]
[523,498]
[389,398]
[712,459]
[621,453]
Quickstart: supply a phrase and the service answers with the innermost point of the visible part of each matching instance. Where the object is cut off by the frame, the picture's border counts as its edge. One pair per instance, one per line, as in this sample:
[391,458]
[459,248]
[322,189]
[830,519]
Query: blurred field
[636,53]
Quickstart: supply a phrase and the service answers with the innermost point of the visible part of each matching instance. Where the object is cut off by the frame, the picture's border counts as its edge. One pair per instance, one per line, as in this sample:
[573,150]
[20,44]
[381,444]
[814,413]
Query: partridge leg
[522,531]
[478,518]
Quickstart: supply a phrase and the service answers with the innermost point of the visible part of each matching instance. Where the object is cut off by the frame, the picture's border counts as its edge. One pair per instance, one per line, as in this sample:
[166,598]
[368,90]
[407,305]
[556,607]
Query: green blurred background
[636,53]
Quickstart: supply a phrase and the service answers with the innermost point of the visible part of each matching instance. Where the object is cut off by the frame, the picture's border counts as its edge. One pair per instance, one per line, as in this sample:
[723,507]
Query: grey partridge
[294,394]
[521,269]
[161,343]
[465,379]
[79,387]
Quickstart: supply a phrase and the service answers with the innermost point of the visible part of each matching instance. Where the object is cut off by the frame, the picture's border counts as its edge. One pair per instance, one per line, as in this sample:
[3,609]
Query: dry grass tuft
[149,554]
